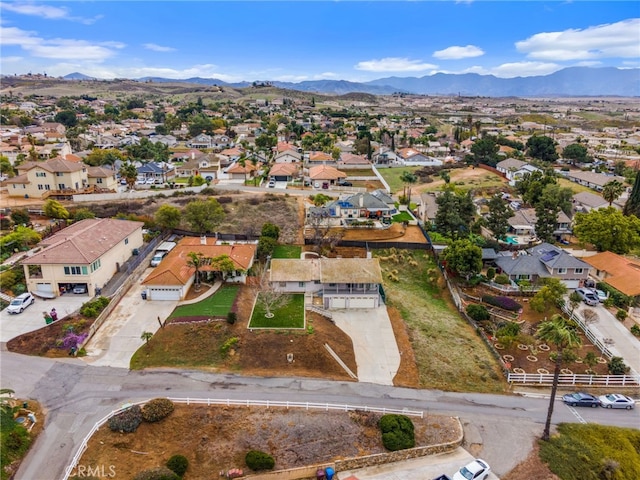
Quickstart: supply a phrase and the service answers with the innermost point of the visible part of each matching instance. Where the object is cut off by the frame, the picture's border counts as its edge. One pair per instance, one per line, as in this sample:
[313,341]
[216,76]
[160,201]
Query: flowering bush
[127,421]
[506,303]
[157,409]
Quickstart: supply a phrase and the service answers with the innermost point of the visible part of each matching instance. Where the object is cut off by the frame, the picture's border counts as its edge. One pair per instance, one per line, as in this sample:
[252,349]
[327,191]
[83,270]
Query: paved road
[76,395]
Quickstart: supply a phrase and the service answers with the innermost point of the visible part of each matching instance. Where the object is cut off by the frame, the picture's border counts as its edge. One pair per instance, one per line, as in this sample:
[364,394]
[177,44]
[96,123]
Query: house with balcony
[333,283]
[54,178]
[86,254]
[102,179]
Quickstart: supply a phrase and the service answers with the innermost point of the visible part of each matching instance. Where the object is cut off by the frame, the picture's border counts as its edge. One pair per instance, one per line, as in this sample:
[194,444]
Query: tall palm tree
[559,332]
[612,190]
[408,178]
[195,261]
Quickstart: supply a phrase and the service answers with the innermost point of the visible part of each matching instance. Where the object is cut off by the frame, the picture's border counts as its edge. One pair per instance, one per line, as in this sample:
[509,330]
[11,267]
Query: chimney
[193,155]
[361,201]
[203,240]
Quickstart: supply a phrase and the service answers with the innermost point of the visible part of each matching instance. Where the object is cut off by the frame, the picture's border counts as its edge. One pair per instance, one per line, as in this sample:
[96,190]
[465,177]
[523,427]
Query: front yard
[217,305]
[289,315]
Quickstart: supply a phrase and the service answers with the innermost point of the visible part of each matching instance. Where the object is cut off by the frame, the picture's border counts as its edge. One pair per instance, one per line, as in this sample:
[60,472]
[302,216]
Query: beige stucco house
[85,254]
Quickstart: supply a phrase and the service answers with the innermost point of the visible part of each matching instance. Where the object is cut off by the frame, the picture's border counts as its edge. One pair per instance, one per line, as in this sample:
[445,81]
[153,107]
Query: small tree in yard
[617,366]
[549,295]
[195,261]
[267,296]
[574,301]
[146,336]
[463,258]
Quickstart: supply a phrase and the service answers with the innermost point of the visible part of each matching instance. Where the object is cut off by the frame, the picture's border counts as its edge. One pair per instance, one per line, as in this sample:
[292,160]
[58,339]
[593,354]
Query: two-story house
[53,177]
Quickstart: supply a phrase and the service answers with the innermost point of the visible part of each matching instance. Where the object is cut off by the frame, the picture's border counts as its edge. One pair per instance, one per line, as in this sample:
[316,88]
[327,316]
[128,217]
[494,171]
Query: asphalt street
[76,395]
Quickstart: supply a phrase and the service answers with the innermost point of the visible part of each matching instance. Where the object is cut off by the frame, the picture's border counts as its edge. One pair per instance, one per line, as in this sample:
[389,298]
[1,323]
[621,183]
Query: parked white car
[21,302]
[476,470]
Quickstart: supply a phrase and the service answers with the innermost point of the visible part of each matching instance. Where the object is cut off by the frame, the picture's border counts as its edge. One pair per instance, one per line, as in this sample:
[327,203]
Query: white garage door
[362,302]
[167,293]
[572,283]
[337,302]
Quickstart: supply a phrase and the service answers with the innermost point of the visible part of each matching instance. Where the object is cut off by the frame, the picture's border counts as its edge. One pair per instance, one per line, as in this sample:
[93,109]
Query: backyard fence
[238,403]
[574,379]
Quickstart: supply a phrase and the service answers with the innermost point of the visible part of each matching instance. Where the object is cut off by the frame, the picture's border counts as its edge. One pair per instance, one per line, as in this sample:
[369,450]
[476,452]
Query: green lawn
[287,251]
[392,176]
[575,187]
[290,315]
[402,217]
[217,305]
[449,353]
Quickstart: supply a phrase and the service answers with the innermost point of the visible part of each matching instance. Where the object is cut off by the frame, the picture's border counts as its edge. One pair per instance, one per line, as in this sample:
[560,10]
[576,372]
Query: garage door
[337,302]
[572,283]
[165,293]
[362,302]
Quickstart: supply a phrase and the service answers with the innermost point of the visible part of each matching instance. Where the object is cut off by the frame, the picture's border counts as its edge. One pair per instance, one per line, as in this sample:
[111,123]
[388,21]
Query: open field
[466,179]
[392,177]
[575,187]
[448,352]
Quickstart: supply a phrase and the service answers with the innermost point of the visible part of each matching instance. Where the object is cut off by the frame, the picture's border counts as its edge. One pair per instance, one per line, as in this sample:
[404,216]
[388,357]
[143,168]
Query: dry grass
[448,352]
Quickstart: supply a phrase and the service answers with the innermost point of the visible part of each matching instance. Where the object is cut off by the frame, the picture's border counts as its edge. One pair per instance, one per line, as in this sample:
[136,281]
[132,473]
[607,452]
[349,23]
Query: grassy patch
[465,179]
[217,305]
[290,315]
[392,176]
[575,187]
[358,172]
[593,452]
[287,251]
[185,345]
[449,353]
[402,217]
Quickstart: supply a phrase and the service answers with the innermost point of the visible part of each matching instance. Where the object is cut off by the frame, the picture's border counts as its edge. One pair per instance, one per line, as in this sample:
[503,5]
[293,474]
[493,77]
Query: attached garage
[164,293]
[347,301]
[572,284]
[335,302]
[363,302]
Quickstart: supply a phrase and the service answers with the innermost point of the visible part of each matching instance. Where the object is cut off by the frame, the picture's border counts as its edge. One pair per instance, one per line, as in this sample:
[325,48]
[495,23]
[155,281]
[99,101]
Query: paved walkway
[374,343]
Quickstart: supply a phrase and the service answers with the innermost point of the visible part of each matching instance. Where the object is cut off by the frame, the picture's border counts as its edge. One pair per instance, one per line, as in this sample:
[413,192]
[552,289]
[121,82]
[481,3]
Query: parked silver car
[616,400]
[588,296]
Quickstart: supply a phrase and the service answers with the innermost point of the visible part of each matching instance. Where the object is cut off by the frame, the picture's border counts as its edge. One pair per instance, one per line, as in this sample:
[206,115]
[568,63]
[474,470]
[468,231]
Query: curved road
[76,395]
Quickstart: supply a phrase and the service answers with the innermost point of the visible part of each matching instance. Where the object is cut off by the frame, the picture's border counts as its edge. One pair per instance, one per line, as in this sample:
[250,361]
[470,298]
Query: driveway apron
[374,343]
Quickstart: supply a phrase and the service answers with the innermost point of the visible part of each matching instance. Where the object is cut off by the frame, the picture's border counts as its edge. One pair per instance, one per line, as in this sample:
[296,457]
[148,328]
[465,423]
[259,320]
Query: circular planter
[543,371]
[518,370]
[532,358]
[498,346]
[522,346]
[544,347]
[566,371]
[602,360]
[508,358]
[578,360]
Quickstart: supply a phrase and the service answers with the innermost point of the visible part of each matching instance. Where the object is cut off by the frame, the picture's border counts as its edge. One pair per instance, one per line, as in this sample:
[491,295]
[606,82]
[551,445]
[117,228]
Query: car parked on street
[588,296]
[581,399]
[616,400]
[476,470]
[19,303]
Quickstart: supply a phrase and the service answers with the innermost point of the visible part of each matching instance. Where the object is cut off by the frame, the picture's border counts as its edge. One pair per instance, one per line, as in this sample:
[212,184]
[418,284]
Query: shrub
[621,315]
[397,432]
[257,460]
[232,317]
[619,299]
[617,366]
[158,473]
[478,313]
[635,329]
[502,279]
[127,421]
[491,273]
[178,464]
[506,303]
[93,308]
[509,329]
[157,409]
[226,346]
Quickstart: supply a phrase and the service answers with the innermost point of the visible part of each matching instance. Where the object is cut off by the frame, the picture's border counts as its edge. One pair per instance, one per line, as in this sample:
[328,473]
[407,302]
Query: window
[59,174]
[40,187]
[95,265]
[283,284]
[126,241]
[61,186]
[75,270]
[579,270]
[41,174]
[524,277]
[562,271]
[99,180]
[301,284]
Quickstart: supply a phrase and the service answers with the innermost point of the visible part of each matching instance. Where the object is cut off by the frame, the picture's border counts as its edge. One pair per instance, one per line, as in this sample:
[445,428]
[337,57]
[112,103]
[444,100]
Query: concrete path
[374,343]
[118,338]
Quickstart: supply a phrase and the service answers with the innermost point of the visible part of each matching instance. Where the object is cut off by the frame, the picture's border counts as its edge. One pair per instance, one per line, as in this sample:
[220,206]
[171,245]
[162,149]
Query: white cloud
[158,48]
[393,64]
[112,71]
[13,59]
[48,12]
[58,48]
[602,41]
[456,53]
[524,69]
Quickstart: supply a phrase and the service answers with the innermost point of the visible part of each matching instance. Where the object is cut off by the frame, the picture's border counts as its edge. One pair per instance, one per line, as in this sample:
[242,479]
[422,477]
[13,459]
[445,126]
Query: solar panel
[550,256]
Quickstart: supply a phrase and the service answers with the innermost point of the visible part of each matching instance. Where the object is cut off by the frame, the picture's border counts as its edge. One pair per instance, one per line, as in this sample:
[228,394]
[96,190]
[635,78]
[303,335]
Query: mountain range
[573,81]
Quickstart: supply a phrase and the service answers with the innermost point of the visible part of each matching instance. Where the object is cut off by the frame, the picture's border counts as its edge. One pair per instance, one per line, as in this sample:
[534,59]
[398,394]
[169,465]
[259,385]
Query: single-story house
[543,261]
[288,156]
[360,205]
[586,201]
[87,253]
[620,272]
[514,170]
[172,279]
[594,180]
[326,173]
[339,282]
[350,159]
[284,172]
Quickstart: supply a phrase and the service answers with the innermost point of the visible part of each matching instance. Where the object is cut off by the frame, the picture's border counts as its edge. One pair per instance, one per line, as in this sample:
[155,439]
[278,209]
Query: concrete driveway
[118,338]
[424,468]
[12,325]
[374,343]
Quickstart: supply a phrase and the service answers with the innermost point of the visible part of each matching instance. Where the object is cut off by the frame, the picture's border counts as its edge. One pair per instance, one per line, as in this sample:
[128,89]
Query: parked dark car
[345,183]
[581,399]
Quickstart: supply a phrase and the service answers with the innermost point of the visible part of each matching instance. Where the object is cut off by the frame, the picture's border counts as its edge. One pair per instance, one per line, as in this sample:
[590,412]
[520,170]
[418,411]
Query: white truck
[161,252]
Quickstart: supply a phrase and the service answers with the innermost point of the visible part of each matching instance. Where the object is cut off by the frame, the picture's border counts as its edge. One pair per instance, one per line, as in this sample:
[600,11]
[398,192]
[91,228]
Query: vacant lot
[466,179]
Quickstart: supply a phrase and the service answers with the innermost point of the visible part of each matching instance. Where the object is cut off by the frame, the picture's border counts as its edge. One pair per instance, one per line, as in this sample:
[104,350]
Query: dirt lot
[217,438]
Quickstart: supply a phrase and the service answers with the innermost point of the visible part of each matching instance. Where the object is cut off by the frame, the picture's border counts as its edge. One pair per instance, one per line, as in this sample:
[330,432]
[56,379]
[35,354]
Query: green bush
[621,315]
[93,308]
[478,313]
[232,317]
[509,329]
[635,330]
[502,279]
[127,421]
[397,432]
[157,409]
[178,464]
[226,346]
[257,460]
[491,273]
[617,366]
[158,473]
[619,299]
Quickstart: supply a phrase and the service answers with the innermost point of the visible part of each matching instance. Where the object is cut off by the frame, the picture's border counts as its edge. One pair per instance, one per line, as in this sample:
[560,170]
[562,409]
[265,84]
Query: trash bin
[144,294]
[25,405]
[329,472]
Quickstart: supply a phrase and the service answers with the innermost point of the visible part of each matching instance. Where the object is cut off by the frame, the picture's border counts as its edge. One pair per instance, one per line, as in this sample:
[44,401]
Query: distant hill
[574,81]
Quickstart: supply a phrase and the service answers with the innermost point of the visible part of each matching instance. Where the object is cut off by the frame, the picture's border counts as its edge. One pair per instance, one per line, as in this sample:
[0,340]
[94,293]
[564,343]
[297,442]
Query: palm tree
[146,336]
[563,335]
[612,190]
[195,261]
[408,178]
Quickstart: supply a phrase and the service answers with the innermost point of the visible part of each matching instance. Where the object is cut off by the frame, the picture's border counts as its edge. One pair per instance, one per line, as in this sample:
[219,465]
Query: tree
[323,237]
[612,190]
[195,260]
[463,258]
[54,209]
[574,300]
[546,219]
[225,265]
[204,215]
[267,295]
[129,172]
[499,215]
[83,214]
[455,214]
[608,229]
[632,205]
[532,185]
[270,230]
[168,217]
[20,217]
[575,152]
[6,169]
[550,295]
[562,335]
[408,179]
[554,194]
[485,150]
[146,336]
[67,118]
[542,148]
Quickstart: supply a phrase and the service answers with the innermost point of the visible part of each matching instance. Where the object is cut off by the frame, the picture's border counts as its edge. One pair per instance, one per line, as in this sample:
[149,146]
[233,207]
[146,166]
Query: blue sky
[312,40]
